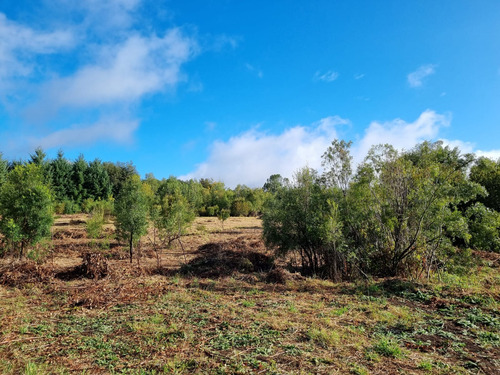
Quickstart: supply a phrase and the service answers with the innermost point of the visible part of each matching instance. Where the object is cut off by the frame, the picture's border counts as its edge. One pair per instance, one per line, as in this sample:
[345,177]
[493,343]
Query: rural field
[220,305]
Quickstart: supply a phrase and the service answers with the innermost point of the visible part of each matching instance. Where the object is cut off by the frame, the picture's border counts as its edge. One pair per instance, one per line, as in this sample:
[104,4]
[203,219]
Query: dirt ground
[70,241]
[220,304]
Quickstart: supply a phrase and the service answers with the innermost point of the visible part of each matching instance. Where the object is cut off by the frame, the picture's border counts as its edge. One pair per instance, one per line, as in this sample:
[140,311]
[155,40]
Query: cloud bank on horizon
[251,157]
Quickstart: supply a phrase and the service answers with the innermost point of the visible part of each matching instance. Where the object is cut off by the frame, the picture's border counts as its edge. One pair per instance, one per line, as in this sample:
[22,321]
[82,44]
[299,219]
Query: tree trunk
[131,243]
[22,250]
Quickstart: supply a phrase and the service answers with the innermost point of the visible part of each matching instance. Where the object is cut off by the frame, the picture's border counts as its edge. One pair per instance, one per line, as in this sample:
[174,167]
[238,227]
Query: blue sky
[239,90]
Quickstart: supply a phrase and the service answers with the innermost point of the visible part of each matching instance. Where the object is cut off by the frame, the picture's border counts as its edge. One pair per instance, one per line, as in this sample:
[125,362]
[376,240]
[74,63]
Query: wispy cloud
[114,130]
[328,76]
[19,45]
[416,78]
[124,73]
[254,70]
[124,60]
[359,76]
[210,125]
[220,42]
[100,17]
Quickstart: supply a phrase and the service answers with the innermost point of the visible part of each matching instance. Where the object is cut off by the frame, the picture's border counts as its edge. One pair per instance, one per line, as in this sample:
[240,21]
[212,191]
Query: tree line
[399,213]
[76,185]
[32,191]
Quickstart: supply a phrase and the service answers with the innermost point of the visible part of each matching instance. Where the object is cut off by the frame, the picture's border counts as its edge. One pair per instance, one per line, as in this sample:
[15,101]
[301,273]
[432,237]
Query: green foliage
[337,162]
[274,183]
[301,218]
[388,347]
[119,173]
[484,225]
[3,169]
[410,215]
[172,217]
[70,207]
[241,207]
[212,210]
[401,213]
[40,251]
[486,172]
[77,188]
[95,223]
[97,184]
[25,207]
[223,215]
[60,172]
[131,210]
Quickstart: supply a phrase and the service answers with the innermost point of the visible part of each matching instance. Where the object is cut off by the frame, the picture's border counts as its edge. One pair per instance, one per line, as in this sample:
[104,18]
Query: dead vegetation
[215,260]
[20,273]
[224,306]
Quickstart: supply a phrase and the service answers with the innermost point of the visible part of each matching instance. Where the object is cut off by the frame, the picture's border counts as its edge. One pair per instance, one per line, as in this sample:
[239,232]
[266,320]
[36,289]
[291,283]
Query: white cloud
[20,44]
[492,154]
[469,147]
[401,134]
[415,79]
[80,135]
[359,76]
[250,158]
[125,72]
[328,76]
[123,61]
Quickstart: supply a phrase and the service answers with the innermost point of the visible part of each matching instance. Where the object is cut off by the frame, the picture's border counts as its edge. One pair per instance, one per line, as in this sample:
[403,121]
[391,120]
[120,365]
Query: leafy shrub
[70,207]
[95,224]
[212,210]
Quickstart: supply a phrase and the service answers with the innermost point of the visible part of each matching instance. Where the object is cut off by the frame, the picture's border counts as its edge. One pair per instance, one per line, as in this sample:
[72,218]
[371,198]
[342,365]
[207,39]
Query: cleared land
[221,307]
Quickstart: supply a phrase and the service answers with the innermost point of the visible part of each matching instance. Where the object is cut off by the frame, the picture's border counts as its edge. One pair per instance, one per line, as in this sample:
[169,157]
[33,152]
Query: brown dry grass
[223,313]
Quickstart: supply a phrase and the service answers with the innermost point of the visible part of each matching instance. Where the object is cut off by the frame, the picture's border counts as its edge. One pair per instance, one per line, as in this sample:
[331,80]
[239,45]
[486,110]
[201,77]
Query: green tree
[3,169]
[413,213]
[174,215]
[118,174]
[223,215]
[240,207]
[25,207]
[39,158]
[337,161]
[97,184]
[193,191]
[352,240]
[131,210]
[487,173]
[302,218]
[77,189]
[274,183]
[484,226]
[60,171]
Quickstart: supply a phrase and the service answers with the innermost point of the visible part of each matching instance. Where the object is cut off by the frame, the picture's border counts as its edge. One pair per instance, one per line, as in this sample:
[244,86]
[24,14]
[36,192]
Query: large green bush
[26,207]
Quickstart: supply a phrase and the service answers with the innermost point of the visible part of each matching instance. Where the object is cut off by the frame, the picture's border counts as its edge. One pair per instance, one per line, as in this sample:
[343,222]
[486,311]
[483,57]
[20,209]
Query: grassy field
[215,308]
